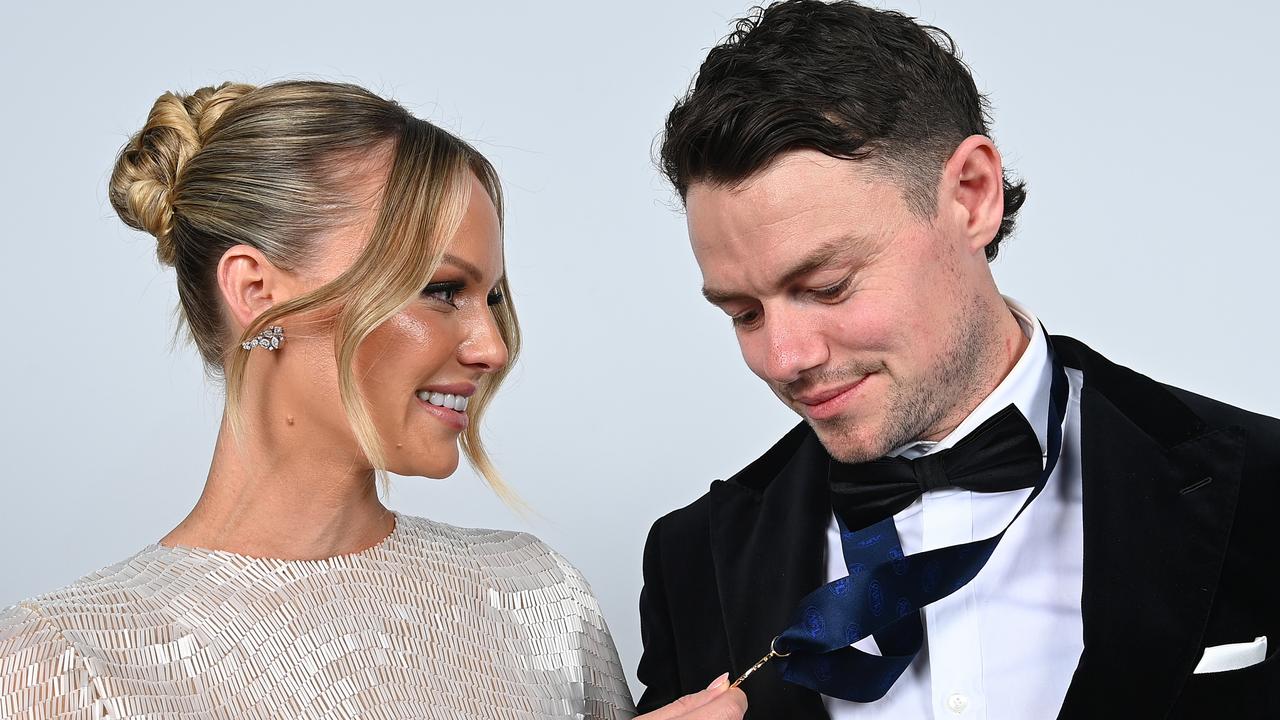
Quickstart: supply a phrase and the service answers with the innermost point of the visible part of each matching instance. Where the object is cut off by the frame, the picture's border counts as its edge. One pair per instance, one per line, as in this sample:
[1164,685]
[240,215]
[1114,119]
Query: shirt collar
[1026,386]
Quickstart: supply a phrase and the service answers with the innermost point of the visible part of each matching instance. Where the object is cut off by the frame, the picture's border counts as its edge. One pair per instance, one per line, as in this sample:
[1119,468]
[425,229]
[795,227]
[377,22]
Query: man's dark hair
[849,81]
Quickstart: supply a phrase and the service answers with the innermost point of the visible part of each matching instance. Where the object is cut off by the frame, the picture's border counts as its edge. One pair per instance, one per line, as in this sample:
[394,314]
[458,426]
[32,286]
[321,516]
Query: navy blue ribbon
[884,592]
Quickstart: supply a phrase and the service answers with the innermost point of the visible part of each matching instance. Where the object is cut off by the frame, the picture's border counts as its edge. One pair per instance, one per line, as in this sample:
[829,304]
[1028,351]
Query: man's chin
[846,441]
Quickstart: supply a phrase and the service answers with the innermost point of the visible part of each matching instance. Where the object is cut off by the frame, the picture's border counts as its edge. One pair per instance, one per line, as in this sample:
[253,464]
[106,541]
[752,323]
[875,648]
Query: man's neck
[1010,342]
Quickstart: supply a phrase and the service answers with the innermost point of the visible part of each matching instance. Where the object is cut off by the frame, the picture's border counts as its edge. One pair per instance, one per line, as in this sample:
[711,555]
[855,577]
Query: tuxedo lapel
[768,530]
[1159,495]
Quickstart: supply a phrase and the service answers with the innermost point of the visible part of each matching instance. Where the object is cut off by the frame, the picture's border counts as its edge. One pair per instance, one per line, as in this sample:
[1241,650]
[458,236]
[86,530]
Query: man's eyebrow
[818,258]
[471,270]
[718,297]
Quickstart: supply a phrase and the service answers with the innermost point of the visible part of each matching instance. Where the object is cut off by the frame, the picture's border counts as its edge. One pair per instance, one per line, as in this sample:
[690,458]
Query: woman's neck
[267,498]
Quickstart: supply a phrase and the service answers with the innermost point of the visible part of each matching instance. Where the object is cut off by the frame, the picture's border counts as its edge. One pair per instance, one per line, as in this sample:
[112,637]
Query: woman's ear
[249,284]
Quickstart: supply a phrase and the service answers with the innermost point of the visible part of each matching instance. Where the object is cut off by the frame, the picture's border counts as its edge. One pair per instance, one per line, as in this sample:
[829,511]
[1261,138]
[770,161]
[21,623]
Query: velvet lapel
[768,537]
[1159,494]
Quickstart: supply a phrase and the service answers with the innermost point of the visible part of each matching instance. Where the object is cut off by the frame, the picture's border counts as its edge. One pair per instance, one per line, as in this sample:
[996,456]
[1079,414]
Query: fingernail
[719,682]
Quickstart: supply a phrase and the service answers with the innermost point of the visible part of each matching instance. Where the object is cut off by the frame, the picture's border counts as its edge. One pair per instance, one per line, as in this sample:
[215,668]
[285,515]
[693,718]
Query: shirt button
[957,703]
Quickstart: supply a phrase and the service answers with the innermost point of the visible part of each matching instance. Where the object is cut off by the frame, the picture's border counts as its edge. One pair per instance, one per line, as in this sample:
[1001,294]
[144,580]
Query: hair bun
[151,163]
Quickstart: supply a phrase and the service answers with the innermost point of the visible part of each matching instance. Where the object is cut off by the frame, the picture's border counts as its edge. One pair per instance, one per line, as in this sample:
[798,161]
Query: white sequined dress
[433,622]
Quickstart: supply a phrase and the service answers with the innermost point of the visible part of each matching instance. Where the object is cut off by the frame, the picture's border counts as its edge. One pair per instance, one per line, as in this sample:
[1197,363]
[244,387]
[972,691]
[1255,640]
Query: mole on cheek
[289,419]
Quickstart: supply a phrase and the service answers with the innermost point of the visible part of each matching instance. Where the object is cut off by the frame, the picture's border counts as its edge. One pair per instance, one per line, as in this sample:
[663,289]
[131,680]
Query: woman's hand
[717,702]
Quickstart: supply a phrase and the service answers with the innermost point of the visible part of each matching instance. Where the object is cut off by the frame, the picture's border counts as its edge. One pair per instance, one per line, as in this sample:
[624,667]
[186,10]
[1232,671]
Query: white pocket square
[1235,656]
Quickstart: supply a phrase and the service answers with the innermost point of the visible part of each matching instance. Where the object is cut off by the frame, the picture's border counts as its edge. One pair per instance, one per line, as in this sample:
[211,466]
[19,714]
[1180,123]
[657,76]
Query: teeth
[444,400]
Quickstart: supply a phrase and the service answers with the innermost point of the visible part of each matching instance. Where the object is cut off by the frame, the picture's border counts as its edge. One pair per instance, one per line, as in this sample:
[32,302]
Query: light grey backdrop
[1146,130]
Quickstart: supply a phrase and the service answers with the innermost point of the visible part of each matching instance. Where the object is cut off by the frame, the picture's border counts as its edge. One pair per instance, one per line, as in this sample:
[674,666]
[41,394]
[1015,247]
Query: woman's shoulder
[507,556]
[22,625]
[42,641]
[64,623]
[416,530]
[108,589]
[39,667]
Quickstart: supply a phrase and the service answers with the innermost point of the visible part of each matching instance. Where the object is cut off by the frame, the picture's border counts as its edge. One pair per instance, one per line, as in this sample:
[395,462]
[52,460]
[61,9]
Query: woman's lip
[835,404]
[452,418]
[463,389]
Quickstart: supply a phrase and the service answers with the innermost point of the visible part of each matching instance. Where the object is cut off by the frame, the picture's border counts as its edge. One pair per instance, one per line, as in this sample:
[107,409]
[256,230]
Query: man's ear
[249,284]
[972,189]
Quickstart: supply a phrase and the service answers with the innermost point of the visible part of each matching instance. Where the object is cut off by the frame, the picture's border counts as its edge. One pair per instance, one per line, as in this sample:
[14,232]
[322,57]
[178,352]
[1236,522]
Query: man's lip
[464,389]
[817,398]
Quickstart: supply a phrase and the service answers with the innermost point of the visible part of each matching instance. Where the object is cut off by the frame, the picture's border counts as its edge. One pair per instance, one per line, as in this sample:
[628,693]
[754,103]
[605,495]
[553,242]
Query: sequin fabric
[433,622]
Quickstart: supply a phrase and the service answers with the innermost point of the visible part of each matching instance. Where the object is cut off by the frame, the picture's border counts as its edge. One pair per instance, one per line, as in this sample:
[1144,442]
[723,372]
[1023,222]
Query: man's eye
[445,292]
[831,292]
[744,319]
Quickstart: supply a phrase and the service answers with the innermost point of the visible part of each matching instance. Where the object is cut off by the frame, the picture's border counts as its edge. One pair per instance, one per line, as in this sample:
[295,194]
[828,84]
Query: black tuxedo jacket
[1180,494]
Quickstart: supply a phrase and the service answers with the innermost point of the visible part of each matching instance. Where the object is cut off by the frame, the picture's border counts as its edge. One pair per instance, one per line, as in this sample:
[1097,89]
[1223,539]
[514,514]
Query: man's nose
[792,347]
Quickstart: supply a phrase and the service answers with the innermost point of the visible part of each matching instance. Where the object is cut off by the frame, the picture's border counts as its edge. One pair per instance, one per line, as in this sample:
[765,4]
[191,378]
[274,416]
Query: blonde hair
[267,167]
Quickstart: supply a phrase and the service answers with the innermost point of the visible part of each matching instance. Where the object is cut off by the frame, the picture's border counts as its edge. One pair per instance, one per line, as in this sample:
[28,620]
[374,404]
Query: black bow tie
[1000,454]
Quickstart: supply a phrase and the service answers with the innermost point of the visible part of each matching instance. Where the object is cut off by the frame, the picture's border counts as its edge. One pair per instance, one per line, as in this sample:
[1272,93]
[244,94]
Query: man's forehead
[801,193]
[783,236]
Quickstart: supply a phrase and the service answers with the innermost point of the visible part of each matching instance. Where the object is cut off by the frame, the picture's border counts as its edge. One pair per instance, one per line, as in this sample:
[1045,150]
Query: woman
[340,263]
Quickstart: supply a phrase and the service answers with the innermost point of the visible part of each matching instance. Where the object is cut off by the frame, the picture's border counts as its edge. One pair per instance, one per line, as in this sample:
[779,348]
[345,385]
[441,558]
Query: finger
[690,702]
[730,705]
[718,684]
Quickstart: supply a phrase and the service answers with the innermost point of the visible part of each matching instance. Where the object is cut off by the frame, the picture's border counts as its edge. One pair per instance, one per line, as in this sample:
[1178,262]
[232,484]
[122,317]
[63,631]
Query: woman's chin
[436,468]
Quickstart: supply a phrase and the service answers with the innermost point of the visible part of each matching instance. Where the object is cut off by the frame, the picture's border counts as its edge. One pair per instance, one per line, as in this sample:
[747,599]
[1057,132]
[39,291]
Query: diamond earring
[269,339]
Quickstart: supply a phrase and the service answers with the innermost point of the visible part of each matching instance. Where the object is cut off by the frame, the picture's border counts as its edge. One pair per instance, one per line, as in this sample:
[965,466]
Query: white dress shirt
[1004,646]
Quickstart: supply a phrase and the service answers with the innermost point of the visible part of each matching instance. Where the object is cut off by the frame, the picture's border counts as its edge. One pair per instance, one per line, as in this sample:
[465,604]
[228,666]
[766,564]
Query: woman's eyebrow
[471,270]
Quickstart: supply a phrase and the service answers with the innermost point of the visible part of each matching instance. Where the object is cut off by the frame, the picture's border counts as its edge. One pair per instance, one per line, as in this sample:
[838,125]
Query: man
[844,200]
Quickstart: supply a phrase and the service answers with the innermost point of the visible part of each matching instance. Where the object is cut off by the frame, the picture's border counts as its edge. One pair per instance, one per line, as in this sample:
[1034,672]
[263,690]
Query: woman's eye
[496,298]
[445,292]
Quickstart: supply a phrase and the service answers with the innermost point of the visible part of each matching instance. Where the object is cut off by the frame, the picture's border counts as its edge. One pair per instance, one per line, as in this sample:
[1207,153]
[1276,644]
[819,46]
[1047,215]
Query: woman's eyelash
[445,292]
